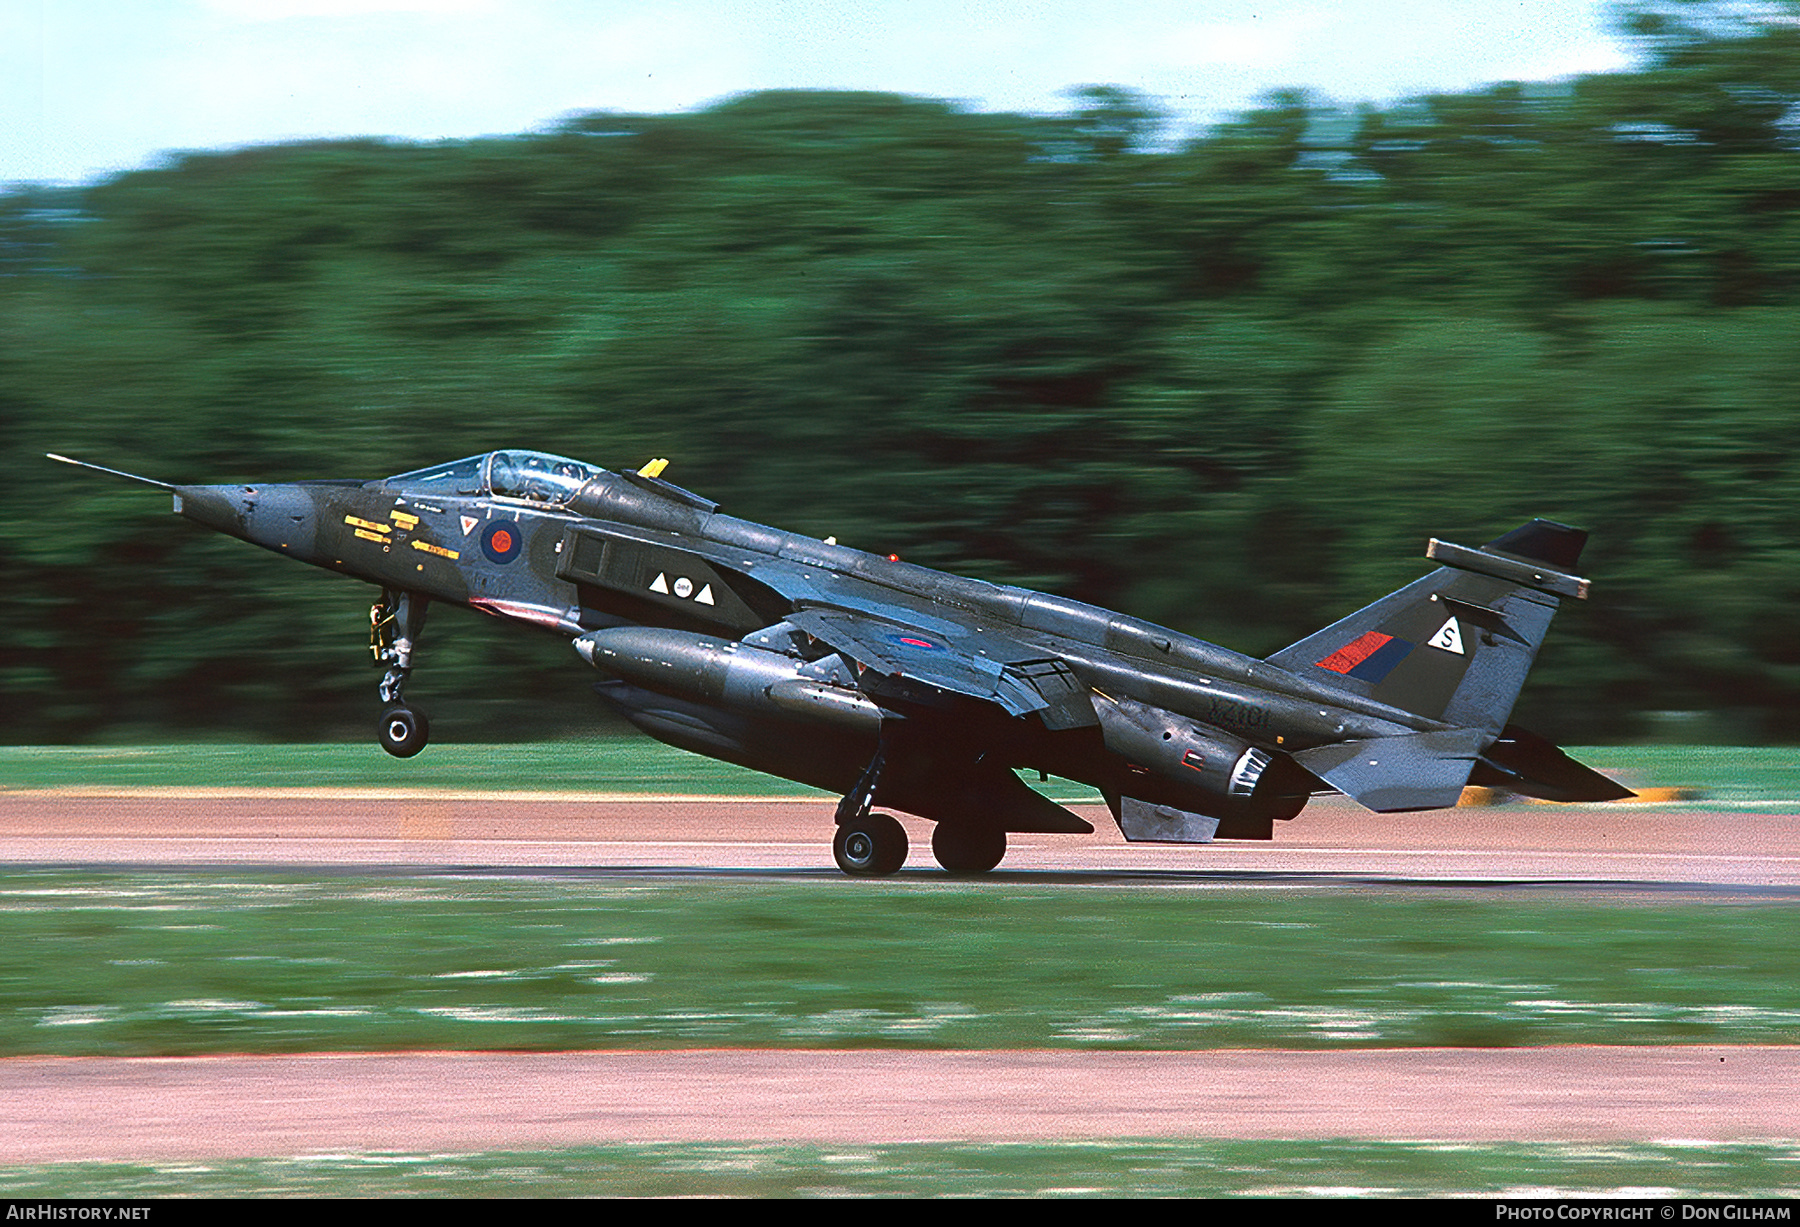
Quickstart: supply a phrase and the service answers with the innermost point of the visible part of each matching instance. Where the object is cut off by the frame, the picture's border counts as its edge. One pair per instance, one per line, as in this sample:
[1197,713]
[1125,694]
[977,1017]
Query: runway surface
[1332,839]
[96,1108]
[218,1107]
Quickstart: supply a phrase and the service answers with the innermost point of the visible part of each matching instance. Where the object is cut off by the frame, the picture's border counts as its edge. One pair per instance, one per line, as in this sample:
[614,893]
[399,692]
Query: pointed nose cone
[280,518]
[219,508]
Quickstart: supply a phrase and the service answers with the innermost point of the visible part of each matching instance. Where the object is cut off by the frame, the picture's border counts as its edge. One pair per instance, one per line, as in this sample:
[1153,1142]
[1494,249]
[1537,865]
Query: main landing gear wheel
[872,846]
[404,731]
[967,848]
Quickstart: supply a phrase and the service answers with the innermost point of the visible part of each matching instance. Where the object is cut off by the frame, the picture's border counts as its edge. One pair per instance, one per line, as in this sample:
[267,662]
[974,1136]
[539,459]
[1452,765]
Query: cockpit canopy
[534,476]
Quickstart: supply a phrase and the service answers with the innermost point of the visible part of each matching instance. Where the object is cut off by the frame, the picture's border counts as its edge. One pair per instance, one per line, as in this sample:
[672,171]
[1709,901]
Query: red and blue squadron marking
[1369,658]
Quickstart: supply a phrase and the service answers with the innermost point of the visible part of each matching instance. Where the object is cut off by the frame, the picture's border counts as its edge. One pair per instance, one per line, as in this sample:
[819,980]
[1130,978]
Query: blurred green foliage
[1230,385]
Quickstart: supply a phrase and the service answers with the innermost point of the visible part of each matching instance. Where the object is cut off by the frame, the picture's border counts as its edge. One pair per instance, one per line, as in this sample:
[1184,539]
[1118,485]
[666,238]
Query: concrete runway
[148,1109]
[1333,839]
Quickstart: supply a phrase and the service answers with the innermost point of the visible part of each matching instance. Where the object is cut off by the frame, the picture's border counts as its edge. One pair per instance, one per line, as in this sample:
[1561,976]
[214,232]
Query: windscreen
[457,477]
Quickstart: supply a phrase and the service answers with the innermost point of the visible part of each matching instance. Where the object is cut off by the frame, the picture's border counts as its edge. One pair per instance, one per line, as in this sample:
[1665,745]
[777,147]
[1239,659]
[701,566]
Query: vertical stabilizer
[1454,645]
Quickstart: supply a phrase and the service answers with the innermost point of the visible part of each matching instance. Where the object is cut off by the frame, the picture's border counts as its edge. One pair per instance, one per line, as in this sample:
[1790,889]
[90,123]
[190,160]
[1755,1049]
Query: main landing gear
[967,848]
[868,845]
[394,625]
[871,845]
[874,846]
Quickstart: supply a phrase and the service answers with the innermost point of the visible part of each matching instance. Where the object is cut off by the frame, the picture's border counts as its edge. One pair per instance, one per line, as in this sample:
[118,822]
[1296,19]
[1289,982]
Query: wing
[1021,678]
[913,643]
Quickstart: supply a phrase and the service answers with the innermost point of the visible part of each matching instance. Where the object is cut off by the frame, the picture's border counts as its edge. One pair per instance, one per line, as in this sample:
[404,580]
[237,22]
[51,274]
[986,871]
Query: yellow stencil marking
[439,550]
[366,535]
[402,519]
[371,525]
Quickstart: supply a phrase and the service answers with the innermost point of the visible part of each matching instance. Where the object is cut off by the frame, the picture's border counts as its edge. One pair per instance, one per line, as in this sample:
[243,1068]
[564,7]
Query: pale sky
[90,87]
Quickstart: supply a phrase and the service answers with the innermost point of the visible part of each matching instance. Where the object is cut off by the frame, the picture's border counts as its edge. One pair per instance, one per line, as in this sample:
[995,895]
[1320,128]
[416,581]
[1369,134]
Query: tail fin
[1454,645]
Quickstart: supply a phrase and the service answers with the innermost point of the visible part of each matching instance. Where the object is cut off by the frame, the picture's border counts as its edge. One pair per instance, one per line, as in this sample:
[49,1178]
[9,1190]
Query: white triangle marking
[1449,638]
[469,523]
[660,584]
[705,597]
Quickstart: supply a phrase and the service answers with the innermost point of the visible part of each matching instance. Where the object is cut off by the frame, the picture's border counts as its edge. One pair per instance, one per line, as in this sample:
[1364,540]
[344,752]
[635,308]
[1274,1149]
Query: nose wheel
[394,625]
[404,731]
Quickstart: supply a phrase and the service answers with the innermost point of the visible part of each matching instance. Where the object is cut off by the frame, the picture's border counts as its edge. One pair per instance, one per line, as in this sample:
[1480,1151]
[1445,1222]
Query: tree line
[1230,383]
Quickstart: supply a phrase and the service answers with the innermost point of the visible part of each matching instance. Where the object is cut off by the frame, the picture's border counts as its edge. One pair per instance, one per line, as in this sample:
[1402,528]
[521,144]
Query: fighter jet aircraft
[924,692]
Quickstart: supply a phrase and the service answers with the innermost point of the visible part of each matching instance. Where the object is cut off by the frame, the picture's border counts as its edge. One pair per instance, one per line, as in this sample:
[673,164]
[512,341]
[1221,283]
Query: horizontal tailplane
[1522,762]
[1392,774]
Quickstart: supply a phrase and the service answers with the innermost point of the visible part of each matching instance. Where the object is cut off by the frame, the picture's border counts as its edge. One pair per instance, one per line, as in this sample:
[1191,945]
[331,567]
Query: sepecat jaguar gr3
[899,686]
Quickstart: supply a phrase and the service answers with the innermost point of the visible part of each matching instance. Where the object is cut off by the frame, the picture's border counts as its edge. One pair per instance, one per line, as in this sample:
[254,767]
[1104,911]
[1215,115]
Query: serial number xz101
[1236,712]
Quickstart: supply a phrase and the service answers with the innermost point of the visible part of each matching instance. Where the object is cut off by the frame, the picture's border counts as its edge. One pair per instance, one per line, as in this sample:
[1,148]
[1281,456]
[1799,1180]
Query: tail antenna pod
[1542,541]
[1526,574]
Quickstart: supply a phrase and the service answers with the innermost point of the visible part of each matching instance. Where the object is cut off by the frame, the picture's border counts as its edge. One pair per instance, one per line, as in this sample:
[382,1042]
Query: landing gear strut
[868,845]
[394,625]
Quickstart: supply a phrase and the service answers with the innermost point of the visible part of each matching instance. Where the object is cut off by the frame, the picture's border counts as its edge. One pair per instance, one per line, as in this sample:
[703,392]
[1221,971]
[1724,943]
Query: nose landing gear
[394,625]
[404,731]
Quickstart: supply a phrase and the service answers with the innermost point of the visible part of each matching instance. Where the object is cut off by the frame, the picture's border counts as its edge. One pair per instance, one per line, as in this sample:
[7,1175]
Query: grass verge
[1184,1168]
[614,764]
[149,963]
[628,764]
